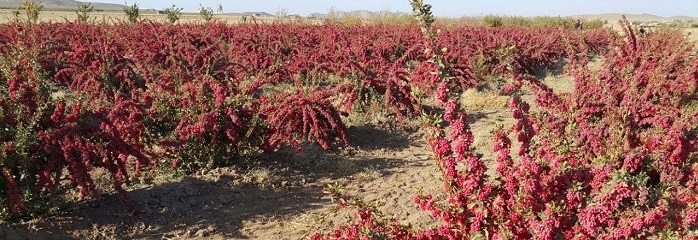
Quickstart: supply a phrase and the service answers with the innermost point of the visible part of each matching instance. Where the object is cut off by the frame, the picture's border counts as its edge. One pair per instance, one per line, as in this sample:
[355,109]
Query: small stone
[201,233]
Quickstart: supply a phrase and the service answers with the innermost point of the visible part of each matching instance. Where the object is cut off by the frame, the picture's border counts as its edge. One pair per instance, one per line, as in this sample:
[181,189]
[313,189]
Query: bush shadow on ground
[218,203]
[370,137]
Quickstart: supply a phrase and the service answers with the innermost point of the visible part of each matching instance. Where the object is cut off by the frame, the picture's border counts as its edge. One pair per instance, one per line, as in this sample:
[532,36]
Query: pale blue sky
[451,8]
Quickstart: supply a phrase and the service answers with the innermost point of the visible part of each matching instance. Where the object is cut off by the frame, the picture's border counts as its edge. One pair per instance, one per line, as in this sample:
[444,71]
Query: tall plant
[132,13]
[173,13]
[83,12]
[32,9]
[206,12]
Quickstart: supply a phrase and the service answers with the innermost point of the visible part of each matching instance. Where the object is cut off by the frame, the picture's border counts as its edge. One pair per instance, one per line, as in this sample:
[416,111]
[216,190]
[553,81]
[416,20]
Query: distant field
[61,16]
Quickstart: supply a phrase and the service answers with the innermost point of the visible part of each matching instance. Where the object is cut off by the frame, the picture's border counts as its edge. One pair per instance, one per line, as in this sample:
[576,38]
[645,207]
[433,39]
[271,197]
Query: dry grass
[259,174]
[692,34]
[368,174]
[461,21]
[559,83]
[474,100]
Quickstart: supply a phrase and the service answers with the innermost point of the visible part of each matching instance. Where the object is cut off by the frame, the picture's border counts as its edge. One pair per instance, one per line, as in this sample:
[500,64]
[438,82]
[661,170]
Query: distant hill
[256,14]
[683,18]
[614,17]
[63,5]
[317,15]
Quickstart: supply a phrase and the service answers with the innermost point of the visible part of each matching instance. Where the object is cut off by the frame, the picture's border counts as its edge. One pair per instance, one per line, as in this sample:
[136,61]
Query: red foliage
[614,160]
[81,96]
[292,117]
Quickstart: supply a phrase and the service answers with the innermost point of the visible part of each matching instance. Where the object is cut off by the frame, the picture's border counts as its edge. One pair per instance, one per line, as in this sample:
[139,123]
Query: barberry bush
[76,97]
[615,160]
[47,129]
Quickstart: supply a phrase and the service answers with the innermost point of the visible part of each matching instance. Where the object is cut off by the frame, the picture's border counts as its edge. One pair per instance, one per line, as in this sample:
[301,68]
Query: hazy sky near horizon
[451,8]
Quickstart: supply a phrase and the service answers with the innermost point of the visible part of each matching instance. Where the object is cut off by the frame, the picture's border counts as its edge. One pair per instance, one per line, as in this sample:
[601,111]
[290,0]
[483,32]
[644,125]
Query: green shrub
[132,13]
[553,22]
[493,21]
[32,9]
[83,12]
[388,18]
[517,21]
[173,13]
[206,12]
[595,24]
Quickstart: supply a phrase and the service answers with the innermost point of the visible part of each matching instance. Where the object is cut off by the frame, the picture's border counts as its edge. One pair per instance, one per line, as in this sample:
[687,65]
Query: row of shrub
[563,22]
[489,21]
[132,13]
[77,97]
